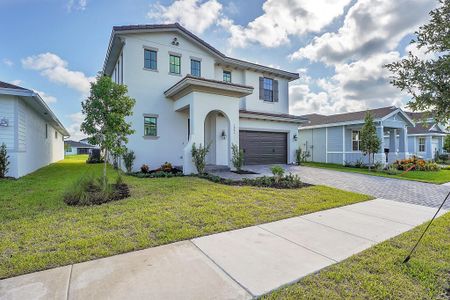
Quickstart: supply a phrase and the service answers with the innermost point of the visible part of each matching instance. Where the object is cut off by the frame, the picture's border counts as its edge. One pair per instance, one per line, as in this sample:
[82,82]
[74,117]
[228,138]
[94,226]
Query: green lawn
[438,177]
[39,231]
[378,273]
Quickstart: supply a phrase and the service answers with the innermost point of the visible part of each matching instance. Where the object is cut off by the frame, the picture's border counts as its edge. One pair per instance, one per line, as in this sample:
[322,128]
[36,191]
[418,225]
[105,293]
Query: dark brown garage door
[263,147]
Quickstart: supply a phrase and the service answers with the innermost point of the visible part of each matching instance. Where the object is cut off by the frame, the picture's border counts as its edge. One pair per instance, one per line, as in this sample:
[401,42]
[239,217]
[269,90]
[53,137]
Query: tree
[427,80]
[447,143]
[105,111]
[370,143]
[4,161]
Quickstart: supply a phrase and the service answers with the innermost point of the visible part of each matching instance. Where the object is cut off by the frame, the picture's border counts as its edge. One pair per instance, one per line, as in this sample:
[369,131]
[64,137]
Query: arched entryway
[217,136]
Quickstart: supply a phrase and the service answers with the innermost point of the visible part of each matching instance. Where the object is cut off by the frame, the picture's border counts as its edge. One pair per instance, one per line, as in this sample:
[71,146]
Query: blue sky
[339,46]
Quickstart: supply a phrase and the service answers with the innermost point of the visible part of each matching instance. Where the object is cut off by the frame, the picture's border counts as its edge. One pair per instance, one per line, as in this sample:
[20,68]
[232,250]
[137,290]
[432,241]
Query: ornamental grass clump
[88,190]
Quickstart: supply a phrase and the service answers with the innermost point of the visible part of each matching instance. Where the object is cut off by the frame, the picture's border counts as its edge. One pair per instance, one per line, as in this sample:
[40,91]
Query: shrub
[4,161]
[238,157]
[145,169]
[359,163]
[95,157]
[199,157]
[89,190]
[392,170]
[277,172]
[166,167]
[444,157]
[301,156]
[349,164]
[287,182]
[128,160]
[417,164]
[158,174]
[378,165]
[430,166]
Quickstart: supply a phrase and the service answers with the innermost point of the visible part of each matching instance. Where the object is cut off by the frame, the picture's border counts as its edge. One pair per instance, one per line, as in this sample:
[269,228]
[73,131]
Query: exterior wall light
[223,135]
[295,137]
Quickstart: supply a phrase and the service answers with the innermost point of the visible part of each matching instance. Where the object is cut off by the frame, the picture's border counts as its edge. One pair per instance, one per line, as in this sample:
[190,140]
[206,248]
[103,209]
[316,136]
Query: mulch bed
[244,172]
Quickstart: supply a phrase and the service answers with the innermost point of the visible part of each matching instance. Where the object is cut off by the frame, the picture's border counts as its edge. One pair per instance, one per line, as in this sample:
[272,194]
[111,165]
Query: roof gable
[357,117]
[115,46]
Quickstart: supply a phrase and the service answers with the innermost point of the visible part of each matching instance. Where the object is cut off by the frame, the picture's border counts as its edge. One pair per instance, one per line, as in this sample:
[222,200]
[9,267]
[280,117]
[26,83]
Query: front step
[216,168]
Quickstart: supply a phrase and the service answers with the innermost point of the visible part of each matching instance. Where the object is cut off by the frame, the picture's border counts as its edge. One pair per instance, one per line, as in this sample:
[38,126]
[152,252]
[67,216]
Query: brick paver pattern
[414,192]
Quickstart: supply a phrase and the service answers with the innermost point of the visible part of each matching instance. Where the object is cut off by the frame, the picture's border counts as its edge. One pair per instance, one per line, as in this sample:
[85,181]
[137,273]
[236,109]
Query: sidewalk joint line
[377,217]
[223,270]
[297,244]
[358,236]
[68,283]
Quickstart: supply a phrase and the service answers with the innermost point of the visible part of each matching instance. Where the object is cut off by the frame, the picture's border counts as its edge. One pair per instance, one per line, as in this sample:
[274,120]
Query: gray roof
[176,26]
[76,144]
[5,85]
[284,116]
[36,102]
[377,113]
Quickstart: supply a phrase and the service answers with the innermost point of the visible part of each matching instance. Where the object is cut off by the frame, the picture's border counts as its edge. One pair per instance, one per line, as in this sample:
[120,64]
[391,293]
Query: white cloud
[46,97]
[8,62]
[420,53]
[56,70]
[74,127]
[283,18]
[16,82]
[76,5]
[359,85]
[193,14]
[370,26]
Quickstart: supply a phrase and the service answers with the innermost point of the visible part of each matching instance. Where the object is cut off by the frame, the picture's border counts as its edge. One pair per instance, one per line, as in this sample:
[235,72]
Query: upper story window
[150,126]
[150,59]
[421,144]
[227,76]
[356,141]
[196,68]
[46,131]
[174,64]
[268,89]
[56,134]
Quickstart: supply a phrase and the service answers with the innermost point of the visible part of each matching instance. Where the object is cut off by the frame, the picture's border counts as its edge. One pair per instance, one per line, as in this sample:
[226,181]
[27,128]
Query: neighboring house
[427,137]
[74,147]
[336,138]
[33,135]
[188,92]
[85,140]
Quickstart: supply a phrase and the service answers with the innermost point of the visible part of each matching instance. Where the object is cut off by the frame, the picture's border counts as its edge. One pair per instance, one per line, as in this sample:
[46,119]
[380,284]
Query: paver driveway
[414,192]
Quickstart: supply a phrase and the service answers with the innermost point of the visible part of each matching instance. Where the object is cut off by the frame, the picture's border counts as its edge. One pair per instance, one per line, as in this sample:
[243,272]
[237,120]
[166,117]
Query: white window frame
[358,141]
[422,145]
[268,93]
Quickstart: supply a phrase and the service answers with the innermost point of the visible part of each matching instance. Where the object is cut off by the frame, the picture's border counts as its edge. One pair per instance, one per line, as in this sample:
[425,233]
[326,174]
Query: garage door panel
[263,147]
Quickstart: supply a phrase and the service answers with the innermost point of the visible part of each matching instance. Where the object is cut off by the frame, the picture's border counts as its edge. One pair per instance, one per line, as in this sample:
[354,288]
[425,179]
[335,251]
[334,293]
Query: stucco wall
[147,88]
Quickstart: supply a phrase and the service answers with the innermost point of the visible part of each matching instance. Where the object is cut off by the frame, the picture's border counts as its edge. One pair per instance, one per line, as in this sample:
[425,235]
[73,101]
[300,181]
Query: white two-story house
[188,92]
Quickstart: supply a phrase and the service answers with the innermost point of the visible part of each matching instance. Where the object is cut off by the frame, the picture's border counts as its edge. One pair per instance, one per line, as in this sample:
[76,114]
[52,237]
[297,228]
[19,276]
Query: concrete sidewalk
[239,264]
